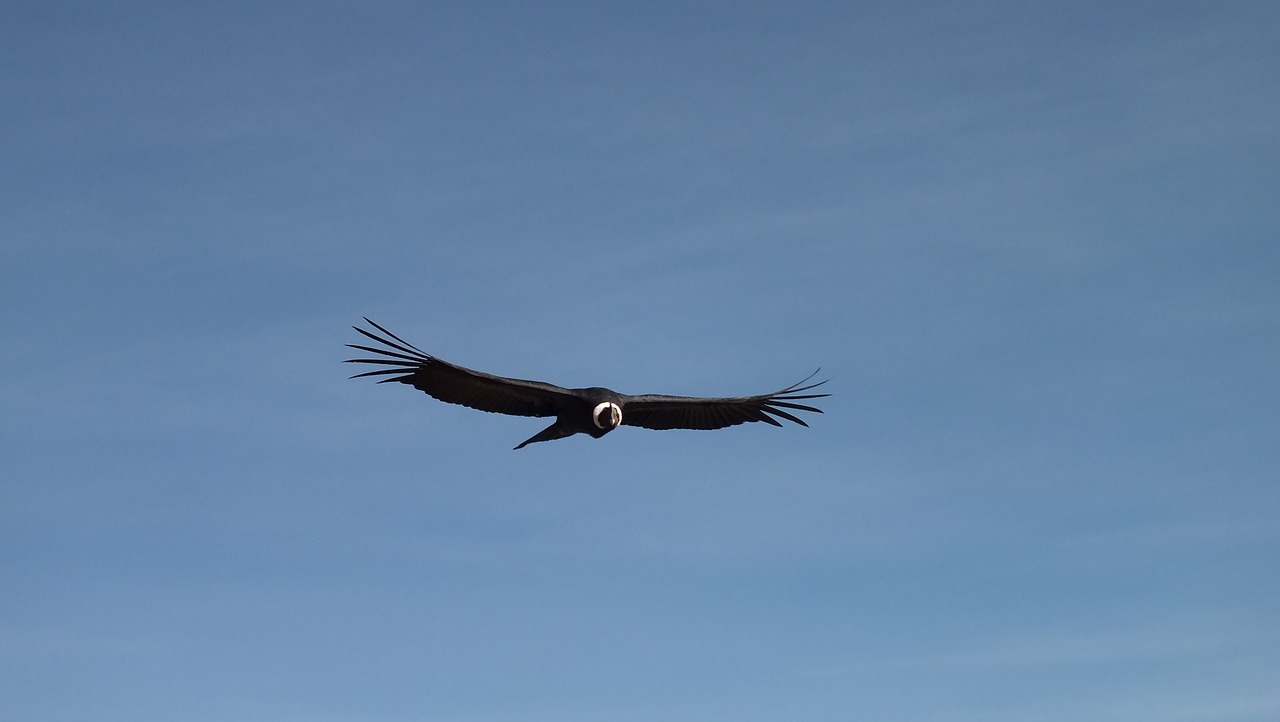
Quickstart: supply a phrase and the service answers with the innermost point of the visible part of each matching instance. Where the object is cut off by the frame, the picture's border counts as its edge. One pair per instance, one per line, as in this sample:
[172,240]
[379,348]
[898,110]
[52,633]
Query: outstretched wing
[456,384]
[653,411]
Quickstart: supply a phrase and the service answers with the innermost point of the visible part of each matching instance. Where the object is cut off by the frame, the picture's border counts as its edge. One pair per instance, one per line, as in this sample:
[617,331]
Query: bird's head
[607,415]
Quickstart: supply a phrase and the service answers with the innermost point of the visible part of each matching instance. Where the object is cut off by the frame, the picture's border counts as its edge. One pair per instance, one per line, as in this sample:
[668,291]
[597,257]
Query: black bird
[593,411]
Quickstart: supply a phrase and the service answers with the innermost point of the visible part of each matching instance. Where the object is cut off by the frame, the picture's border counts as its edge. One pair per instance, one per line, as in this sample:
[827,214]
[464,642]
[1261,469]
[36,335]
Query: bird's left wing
[654,411]
[456,384]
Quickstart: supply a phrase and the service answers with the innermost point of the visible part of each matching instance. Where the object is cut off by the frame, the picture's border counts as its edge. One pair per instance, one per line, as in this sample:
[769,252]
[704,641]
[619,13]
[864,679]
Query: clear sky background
[1034,245]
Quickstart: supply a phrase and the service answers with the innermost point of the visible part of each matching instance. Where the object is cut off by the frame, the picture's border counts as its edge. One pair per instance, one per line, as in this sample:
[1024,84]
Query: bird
[594,411]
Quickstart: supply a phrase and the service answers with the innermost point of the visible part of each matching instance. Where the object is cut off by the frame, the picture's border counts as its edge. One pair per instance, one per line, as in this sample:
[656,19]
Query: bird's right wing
[455,384]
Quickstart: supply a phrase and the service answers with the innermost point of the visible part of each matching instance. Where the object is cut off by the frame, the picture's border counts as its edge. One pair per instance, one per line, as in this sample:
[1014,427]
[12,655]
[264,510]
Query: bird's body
[594,411]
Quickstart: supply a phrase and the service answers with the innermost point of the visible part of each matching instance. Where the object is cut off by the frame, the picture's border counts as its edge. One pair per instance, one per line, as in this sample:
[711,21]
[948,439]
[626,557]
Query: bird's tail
[551,433]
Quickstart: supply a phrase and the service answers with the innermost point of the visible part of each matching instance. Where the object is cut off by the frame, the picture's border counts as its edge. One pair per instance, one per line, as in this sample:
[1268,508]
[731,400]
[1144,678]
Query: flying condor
[594,411]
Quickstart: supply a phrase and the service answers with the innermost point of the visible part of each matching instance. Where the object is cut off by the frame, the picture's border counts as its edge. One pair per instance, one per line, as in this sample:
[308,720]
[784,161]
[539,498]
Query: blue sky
[1033,245]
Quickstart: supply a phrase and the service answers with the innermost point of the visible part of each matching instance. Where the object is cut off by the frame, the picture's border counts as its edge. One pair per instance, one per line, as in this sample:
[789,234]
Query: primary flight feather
[594,411]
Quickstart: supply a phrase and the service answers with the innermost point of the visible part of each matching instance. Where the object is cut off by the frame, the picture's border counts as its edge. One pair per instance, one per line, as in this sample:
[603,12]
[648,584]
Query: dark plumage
[594,411]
